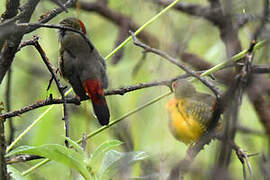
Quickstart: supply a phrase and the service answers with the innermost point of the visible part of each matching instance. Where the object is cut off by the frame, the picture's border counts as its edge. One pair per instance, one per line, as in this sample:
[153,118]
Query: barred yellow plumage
[189,112]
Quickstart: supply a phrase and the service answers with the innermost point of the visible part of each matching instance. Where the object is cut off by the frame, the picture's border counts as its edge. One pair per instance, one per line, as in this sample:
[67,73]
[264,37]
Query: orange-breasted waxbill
[189,112]
[83,67]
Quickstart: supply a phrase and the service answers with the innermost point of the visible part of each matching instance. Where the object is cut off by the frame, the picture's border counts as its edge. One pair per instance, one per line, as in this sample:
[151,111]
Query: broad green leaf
[97,155]
[58,153]
[15,174]
[114,161]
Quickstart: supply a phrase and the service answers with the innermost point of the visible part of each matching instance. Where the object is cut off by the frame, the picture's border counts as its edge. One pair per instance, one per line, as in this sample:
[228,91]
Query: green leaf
[58,153]
[77,147]
[15,174]
[97,155]
[114,161]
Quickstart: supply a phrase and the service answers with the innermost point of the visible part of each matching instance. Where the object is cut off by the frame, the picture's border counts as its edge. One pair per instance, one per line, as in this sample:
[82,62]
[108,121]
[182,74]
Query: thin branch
[243,158]
[21,158]
[57,81]
[260,69]
[52,26]
[176,62]
[246,130]
[118,91]
[3,166]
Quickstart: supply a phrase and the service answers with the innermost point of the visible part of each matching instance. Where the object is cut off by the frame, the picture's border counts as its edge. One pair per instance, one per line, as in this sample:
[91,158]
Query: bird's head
[74,23]
[183,89]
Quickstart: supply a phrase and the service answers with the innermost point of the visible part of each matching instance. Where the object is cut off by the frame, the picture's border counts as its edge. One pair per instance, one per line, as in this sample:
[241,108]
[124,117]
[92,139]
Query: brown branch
[21,158]
[256,88]
[198,63]
[34,42]
[235,92]
[29,26]
[176,62]
[119,91]
[260,69]
[58,84]
[36,105]
[12,42]
[3,166]
[246,130]
[190,8]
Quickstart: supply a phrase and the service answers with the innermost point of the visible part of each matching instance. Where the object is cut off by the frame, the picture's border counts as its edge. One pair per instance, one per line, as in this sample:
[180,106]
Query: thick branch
[11,45]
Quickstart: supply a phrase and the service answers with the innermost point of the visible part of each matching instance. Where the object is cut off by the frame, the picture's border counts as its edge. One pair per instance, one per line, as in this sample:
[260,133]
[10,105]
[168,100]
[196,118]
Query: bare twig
[246,130]
[3,166]
[21,158]
[243,158]
[52,26]
[52,70]
[176,62]
[58,84]
[260,69]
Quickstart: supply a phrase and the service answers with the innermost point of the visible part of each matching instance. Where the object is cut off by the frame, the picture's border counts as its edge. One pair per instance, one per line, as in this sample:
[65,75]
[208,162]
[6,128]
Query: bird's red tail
[95,92]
